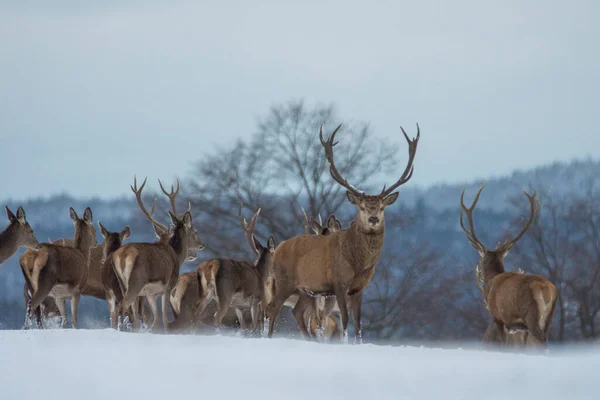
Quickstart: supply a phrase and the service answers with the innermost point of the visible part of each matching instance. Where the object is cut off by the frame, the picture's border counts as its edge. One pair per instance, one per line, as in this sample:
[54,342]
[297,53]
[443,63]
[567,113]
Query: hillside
[105,364]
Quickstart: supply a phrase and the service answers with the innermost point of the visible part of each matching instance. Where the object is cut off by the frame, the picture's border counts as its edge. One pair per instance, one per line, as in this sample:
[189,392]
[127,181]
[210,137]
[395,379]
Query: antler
[408,172]
[172,196]
[533,203]
[306,231]
[249,227]
[328,145]
[476,243]
[149,215]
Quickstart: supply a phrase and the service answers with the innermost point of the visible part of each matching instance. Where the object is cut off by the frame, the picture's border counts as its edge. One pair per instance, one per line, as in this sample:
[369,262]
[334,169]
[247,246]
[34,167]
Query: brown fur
[151,269]
[343,263]
[235,284]
[17,234]
[61,272]
[513,299]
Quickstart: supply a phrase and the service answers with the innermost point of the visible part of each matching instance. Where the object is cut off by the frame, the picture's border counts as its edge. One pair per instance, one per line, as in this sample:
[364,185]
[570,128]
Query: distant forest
[424,287]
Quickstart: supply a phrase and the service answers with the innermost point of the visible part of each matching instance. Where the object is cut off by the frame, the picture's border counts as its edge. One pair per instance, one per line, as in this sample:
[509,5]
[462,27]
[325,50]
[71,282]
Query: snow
[105,364]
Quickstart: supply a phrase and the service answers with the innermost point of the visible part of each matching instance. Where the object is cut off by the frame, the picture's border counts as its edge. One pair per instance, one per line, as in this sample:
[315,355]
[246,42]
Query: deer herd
[318,275]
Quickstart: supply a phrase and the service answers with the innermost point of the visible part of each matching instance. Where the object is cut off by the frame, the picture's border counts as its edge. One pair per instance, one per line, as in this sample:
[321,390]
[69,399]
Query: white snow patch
[105,364]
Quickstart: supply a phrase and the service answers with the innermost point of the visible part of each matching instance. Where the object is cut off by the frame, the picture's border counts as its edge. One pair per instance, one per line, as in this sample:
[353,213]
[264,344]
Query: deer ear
[87,216]
[125,233]
[316,227]
[333,223]
[103,230]
[11,216]
[257,244]
[271,244]
[21,215]
[187,220]
[391,199]
[74,215]
[352,198]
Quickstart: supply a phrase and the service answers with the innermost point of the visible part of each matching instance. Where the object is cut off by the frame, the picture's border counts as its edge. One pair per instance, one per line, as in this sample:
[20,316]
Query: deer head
[332,225]
[370,208]
[492,261]
[85,233]
[180,223]
[112,240]
[20,230]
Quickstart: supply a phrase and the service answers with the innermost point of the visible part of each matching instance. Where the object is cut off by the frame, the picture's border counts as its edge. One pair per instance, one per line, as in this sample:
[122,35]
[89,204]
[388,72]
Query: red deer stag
[60,272]
[237,284]
[17,234]
[343,263]
[516,301]
[151,269]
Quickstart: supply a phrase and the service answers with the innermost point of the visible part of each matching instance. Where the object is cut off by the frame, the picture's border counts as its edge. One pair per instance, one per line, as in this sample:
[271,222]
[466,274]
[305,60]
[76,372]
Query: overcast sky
[91,95]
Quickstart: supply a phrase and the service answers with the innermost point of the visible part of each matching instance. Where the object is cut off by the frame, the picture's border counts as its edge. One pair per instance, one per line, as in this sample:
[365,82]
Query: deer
[60,272]
[341,264]
[110,284]
[515,337]
[151,269]
[237,284]
[17,234]
[516,301]
[314,315]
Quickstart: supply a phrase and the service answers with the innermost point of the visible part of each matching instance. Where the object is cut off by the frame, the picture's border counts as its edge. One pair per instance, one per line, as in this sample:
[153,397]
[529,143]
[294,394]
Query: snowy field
[104,364]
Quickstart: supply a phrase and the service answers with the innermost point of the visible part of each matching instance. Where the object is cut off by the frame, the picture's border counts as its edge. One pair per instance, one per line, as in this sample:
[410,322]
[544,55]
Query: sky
[92,94]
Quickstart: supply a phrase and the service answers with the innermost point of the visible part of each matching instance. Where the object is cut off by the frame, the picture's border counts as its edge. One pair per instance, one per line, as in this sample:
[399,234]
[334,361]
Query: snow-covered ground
[104,364]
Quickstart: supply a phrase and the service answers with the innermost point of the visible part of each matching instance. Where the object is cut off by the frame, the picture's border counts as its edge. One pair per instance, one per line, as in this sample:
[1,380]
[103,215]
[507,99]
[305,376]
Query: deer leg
[62,309]
[340,295]
[224,303]
[44,287]
[165,307]
[356,304]
[240,316]
[74,307]
[281,295]
[111,302]
[301,306]
[130,299]
[255,314]
[154,307]
[536,334]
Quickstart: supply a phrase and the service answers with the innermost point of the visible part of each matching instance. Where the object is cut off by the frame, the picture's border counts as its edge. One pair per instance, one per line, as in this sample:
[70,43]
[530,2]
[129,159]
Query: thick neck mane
[490,269]
[363,248]
[179,245]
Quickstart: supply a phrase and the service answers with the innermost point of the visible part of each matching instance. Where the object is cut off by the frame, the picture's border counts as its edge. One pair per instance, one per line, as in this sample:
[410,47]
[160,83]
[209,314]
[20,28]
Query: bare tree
[279,168]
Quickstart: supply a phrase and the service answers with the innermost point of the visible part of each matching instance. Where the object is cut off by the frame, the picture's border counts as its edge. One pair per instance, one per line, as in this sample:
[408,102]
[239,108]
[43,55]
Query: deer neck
[490,271]
[179,245]
[364,247]
[83,243]
[8,243]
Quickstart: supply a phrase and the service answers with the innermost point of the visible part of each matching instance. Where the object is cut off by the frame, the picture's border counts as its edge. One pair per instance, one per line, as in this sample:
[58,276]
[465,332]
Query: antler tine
[320,220]
[249,227]
[335,174]
[408,172]
[149,215]
[172,196]
[306,231]
[475,242]
[533,205]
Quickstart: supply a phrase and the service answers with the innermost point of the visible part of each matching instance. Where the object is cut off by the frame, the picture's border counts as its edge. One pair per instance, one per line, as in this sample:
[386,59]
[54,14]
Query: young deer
[237,284]
[313,315]
[17,234]
[151,269]
[110,284]
[60,272]
[341,264]
[516,301]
